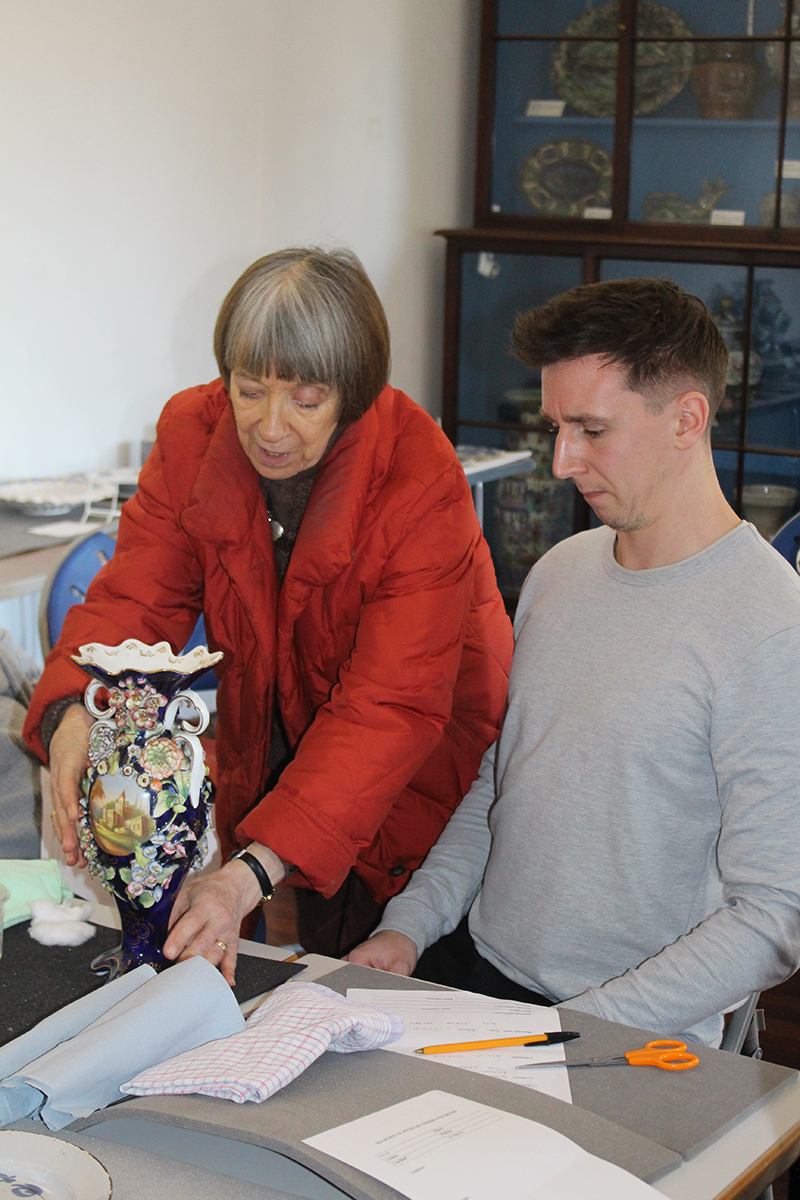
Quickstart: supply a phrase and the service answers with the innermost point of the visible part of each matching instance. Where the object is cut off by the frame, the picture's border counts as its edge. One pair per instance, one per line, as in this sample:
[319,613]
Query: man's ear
[692,413]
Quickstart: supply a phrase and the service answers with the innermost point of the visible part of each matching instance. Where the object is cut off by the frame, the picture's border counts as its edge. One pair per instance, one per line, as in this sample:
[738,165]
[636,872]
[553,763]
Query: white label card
[545,108]
[727,216]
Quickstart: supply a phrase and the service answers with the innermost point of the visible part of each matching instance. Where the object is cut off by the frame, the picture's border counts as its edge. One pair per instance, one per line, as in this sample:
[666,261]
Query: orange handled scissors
[667,1054]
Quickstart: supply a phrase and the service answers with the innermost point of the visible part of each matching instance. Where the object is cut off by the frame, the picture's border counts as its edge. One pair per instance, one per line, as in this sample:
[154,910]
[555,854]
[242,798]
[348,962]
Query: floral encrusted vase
[145,804]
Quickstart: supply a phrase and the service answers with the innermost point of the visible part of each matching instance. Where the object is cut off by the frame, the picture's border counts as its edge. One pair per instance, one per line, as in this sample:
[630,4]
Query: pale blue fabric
[93,1049]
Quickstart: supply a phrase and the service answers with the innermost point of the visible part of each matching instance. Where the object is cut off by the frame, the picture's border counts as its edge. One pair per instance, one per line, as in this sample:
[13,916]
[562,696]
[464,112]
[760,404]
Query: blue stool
[69,583]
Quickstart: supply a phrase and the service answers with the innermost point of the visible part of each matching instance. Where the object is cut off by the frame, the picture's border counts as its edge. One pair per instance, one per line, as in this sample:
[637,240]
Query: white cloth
[65,924]
[282,1037]
[177,1010]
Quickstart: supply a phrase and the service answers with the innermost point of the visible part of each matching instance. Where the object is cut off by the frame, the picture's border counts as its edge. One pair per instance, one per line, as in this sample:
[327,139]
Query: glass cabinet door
[499,403]
[550,160]
[756,435]
[553,142]
[771,481]
[694,104]
[708,155]
[494,288]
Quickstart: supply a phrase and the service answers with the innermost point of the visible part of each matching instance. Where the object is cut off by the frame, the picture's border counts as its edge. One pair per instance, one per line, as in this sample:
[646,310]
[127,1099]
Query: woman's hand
[207,914]
[386,951]
[69,760]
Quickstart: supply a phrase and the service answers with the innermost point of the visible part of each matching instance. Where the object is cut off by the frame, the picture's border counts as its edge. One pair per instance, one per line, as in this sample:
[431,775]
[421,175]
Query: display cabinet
[618,140]
[641,113]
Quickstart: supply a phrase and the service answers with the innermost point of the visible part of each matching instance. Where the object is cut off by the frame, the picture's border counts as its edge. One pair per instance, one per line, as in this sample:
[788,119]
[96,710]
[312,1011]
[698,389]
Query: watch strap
[264,881]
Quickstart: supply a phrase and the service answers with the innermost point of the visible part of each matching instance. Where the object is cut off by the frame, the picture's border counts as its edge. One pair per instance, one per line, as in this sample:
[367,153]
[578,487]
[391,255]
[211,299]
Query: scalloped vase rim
[133,655]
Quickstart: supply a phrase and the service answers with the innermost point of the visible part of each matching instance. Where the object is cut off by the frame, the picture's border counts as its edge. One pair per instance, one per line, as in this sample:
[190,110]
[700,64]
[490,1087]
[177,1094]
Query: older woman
[321,522]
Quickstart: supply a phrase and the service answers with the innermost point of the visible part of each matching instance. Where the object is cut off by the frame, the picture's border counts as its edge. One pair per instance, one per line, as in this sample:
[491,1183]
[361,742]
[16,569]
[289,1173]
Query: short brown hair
[308,314]
[663,337]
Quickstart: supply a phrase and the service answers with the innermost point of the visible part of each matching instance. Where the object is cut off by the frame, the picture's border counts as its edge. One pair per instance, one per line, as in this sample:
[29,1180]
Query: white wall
[150,149]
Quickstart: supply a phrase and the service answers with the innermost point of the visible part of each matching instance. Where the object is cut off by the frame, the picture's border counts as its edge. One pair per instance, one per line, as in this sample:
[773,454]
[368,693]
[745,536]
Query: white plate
[49,497]
[33,1164]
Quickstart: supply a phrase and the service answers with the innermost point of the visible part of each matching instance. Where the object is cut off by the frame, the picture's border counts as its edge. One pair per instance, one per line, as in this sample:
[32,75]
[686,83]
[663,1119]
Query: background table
[26,560]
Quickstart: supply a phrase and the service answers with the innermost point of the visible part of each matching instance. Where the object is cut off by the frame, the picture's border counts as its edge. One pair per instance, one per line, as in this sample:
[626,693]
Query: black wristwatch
[264,881]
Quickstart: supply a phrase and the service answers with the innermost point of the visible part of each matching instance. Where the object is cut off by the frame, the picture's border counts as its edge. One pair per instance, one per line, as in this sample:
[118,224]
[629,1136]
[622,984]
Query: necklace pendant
[277,529]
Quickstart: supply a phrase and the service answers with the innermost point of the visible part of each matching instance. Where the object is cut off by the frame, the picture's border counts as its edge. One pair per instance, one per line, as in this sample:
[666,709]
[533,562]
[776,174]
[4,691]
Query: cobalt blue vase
[146,796]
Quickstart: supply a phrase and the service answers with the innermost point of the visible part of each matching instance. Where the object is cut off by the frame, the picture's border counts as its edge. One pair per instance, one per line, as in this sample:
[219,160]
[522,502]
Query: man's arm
[753,942]
[442,890]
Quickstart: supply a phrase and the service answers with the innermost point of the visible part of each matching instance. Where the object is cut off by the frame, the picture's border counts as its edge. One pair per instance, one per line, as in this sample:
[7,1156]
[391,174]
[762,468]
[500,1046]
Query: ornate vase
[774,54]
[725,89]
[146,795]
[532,511]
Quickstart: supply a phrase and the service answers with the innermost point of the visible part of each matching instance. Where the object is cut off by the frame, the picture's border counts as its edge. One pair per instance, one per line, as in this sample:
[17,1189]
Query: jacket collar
[328,531]
[227,507]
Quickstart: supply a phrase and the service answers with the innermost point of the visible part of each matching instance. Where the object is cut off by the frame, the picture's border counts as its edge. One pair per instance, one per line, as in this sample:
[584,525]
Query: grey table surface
[340,1088]
[647,1121]
[15,535]
[680,1110]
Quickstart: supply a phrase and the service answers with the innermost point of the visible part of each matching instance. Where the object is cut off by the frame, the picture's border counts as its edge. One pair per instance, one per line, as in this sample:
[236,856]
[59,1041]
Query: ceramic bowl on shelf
[767,505]
[774,55]
[52,497]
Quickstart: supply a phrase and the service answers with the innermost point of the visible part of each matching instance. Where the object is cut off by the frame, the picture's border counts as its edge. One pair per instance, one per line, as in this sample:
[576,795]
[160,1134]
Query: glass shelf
[657,122]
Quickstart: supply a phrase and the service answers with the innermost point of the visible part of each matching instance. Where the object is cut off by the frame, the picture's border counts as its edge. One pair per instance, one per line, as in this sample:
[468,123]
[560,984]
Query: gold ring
[219,943]
[53,817]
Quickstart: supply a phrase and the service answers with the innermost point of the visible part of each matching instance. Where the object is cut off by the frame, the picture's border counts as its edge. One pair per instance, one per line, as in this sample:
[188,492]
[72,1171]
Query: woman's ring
[219,943]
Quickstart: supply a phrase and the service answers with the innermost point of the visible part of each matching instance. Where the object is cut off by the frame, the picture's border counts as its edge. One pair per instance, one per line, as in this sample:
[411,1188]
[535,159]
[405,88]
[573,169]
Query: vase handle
[88,699]
[199,724]
[192,745]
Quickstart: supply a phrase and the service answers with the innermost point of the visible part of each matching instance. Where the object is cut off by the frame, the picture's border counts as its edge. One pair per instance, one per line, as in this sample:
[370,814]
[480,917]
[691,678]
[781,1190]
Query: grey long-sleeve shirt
[641,859]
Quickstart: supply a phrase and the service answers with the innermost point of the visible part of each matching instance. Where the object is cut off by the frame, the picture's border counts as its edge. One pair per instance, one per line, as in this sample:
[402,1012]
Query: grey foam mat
[339,1088]
[37,980]
[681,1110]
[645,1126]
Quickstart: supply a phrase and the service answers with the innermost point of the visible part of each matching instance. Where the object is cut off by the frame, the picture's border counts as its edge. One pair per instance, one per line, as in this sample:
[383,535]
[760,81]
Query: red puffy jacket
[388,643]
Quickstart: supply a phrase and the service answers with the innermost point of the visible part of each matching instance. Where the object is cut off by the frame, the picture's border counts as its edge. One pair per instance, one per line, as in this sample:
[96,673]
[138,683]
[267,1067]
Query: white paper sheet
[435,1018]
[66,529]
[443,1147]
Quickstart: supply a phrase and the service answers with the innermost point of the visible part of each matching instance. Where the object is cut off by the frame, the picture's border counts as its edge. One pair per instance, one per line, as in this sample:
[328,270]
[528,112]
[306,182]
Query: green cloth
[28,880]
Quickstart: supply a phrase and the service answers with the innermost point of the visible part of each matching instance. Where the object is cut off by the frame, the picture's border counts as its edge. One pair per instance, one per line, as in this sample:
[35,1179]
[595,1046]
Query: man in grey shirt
[631,847]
